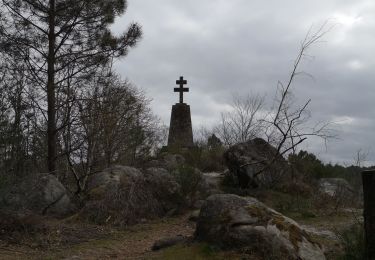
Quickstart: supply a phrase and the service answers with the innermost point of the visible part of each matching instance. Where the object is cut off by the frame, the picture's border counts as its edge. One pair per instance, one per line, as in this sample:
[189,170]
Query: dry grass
[68,239]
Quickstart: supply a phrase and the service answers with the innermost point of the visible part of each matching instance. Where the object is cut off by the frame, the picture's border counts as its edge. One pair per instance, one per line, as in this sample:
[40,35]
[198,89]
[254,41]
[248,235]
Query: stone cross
[181,89]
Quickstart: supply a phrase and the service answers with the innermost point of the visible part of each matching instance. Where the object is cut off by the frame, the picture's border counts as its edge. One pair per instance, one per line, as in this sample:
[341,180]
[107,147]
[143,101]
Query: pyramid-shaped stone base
[180,130]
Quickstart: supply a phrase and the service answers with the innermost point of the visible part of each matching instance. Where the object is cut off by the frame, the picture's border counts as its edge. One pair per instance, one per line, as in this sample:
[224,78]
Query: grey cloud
[242,46]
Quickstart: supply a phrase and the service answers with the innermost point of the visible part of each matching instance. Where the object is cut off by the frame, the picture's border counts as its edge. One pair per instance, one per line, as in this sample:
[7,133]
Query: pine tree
[62,42]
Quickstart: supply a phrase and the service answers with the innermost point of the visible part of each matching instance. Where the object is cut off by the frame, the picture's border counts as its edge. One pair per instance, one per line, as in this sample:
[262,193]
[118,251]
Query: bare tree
[16,105]
[112,125]
[285,126]
[360,157]
[243,122]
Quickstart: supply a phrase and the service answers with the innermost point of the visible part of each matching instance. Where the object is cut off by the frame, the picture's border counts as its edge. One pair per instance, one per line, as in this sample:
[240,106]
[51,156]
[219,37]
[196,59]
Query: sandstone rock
[246,160]
[234,222]
[41,194]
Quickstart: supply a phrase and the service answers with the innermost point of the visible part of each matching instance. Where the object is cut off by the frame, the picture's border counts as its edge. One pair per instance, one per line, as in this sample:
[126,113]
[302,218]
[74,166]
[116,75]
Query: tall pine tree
[61,43]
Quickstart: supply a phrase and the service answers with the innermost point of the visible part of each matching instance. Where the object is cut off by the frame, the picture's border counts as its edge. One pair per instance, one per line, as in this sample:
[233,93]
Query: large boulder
[167,161]
[110,179]
[335,187]
[233,222]
[41,194]
[124,195]
[255,163]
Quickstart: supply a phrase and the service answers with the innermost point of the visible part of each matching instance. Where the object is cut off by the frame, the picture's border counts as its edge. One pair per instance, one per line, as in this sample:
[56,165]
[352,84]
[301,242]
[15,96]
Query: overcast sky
[245,46]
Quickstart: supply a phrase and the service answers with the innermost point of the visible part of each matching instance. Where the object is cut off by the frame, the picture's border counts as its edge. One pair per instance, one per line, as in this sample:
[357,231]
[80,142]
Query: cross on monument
[181,89]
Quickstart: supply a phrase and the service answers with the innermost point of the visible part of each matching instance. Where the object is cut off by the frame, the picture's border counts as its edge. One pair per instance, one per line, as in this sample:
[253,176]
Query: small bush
[353,241]
[15,227]
[132,200]
[190,181]
[202,157]
[6,181]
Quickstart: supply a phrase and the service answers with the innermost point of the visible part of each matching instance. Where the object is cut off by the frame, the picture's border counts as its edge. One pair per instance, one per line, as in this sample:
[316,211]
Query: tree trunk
[51,99]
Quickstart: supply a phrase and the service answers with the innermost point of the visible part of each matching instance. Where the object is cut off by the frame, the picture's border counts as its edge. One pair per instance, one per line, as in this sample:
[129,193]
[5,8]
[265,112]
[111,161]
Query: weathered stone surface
[173,161]
[180,130]
[246,160]
[234,222]
[124,195]
[167,161]
[110,179]
[41,194]
[212,182]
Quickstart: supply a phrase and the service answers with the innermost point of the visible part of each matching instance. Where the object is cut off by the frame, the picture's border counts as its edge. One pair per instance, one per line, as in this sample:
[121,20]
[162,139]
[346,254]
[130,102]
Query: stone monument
[180,129]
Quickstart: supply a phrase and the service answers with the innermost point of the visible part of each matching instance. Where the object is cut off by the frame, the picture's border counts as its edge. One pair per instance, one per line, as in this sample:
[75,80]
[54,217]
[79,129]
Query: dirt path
[134,243]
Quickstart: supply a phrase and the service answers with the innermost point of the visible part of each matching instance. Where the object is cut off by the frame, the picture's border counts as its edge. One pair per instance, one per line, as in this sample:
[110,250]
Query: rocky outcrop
[212,182]
[255,163]
[124,195]
[167,161]
[41,194]
[335,187]
[233,222]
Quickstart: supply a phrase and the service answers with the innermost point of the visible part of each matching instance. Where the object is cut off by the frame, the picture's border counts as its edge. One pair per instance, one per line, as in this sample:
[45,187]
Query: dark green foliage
[312,168]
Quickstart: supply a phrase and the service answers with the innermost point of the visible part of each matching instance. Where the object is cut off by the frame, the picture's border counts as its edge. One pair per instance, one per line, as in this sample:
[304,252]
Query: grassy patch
[200,251]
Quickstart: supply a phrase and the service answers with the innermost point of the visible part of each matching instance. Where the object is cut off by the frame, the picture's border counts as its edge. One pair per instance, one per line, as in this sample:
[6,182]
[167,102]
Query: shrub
[206,159]
[353,241]
[190,180]
[16,227]
[134,198]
